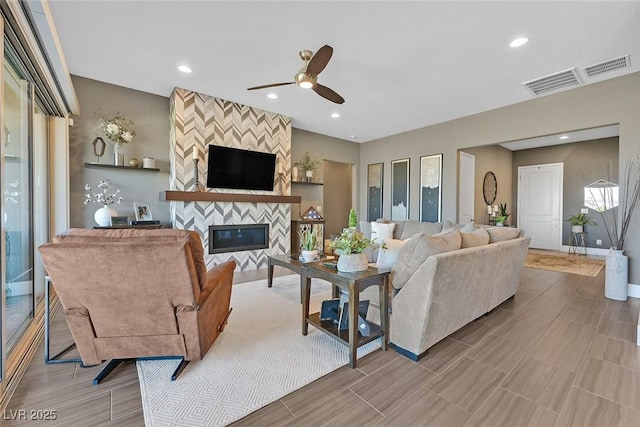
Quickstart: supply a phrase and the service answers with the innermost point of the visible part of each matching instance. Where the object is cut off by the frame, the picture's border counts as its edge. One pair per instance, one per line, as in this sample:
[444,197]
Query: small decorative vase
[309,175]
[616,275]
[103,216]
[351,263]
[294,173]
[499,224]
[118,154]
[309,255]
[577,228]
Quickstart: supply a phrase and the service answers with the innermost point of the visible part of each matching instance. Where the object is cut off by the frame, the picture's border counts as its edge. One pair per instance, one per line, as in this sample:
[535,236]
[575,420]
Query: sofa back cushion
[418,249]
[473,238]
[411,228]
[500,234]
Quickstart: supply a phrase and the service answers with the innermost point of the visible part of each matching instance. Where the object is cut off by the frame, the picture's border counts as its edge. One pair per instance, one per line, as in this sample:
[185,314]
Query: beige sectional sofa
[439,286]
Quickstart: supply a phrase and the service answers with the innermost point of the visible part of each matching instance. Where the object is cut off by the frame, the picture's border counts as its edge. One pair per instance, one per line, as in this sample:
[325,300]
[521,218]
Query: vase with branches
[605,198]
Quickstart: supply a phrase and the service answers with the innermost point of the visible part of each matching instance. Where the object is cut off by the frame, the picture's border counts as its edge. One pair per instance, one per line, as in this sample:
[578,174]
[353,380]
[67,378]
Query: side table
[47,334]
[577,244]
[353,284]
[292,262]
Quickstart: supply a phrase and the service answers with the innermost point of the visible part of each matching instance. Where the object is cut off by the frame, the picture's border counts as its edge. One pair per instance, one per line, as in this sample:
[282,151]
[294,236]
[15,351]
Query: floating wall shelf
[202,196]
[307,183]
[129,168]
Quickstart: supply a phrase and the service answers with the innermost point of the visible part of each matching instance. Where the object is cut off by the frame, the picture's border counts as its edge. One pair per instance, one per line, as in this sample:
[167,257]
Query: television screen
[240,169]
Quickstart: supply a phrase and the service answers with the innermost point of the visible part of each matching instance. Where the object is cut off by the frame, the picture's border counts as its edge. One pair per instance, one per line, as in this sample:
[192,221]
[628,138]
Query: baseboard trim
[590,251]
[633,290]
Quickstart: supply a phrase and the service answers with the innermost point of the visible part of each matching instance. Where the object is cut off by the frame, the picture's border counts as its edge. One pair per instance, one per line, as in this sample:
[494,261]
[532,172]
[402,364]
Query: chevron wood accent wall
[199,120]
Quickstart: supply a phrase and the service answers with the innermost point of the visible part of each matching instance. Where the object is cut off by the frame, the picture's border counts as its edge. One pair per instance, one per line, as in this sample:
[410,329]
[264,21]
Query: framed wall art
[375,178]
[431,188]
[400,190]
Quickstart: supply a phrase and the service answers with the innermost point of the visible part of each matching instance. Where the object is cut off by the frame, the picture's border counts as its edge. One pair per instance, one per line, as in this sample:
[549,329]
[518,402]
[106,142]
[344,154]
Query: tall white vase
[118,154]
[616,275]
[103,216]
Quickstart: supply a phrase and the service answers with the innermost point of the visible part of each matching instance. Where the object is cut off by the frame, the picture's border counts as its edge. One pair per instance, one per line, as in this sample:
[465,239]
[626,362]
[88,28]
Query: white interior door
[467,185]
[539,204]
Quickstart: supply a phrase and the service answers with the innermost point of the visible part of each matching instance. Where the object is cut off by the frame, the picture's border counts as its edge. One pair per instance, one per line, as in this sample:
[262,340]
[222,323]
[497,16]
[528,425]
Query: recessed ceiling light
[564,137]
[335,115]
[184,69]
[353,136]
[272,96]
[519,42]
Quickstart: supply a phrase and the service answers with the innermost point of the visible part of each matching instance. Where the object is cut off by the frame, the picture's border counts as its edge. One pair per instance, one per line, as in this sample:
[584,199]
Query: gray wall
[337,196]
[150,114]
[599,104]
[321,147]
[584,163]
[498,160]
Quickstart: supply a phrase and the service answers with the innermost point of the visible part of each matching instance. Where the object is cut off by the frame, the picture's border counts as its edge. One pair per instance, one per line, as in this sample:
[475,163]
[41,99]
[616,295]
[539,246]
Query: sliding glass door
[17,176]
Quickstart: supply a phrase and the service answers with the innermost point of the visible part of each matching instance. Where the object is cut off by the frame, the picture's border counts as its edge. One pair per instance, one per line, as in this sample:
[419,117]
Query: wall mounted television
[238,169]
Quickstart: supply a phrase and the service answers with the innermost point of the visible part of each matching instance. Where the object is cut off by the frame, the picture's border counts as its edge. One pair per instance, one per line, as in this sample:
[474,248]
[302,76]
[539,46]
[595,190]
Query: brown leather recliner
[131,293]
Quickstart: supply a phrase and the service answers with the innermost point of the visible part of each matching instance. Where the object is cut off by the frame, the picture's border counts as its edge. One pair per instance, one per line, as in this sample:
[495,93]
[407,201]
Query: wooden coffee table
[353,283]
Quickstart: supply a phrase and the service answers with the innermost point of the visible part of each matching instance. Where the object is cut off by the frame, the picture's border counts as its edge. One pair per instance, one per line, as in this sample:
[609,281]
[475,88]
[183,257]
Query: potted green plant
[309,165]
[578,221]
[503,214]
[353,219]
[350,246]
[308,240]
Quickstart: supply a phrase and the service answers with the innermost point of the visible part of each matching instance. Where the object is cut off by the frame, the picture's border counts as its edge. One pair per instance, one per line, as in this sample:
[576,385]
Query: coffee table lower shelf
[329,328]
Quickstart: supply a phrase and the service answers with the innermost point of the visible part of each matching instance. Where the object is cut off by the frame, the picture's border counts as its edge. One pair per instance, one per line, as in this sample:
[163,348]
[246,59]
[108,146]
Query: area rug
[260,357]
[566,263]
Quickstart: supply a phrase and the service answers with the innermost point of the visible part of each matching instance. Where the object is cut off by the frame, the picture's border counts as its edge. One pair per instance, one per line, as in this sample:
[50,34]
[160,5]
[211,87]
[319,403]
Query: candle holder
[280,182]
[196,184]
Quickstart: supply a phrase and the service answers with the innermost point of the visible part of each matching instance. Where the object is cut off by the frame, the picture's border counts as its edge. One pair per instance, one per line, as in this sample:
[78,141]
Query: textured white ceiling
[399,65]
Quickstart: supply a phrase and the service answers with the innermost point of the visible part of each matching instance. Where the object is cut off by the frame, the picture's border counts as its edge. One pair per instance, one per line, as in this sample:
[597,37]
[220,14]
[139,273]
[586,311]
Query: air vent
[560,80]
[606,66]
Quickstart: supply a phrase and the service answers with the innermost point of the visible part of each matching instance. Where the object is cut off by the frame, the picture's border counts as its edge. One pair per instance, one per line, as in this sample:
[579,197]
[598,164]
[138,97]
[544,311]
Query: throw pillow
[412,228]
[388,256]
[381,231]
[477,237]
[467,228]
[500,234]
[420,247]
[365,228]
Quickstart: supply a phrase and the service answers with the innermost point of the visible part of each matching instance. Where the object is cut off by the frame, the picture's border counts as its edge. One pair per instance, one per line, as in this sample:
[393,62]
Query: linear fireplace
[241,237]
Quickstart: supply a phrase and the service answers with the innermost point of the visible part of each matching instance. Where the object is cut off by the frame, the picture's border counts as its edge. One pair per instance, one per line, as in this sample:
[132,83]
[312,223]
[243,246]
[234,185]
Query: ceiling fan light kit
[307,77]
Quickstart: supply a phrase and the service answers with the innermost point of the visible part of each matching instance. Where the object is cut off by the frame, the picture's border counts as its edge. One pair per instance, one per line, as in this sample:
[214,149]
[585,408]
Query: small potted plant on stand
[350,246]
[503,214]
[578,221]
[308,240]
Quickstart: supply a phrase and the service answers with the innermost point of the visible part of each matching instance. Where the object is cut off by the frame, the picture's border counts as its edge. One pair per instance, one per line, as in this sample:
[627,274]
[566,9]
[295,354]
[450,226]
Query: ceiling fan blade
[325,92]
[271,85]
[320,60]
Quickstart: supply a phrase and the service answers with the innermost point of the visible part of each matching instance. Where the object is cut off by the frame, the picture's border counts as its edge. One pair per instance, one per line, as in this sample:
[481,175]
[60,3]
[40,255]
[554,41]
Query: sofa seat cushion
[500,234]
[478,237]
[411,228]
[418,249]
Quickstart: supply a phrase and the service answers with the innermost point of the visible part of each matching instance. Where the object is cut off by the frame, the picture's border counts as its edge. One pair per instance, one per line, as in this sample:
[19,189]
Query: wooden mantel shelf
[202,196]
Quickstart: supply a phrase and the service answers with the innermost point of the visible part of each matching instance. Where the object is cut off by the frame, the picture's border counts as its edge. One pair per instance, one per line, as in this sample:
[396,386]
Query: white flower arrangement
[118,129]
[102,197]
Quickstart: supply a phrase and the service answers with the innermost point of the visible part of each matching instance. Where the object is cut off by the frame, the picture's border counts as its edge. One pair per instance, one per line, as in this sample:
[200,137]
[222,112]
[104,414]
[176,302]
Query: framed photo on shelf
[431,188]
[375,178]
[119,220]
[143,213]
[400,190]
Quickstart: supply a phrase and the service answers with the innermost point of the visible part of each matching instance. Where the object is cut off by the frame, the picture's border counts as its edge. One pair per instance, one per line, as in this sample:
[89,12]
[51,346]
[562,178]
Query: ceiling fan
[307,77]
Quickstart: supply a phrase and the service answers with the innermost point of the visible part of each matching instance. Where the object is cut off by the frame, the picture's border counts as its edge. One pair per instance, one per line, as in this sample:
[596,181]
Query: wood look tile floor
[558,354]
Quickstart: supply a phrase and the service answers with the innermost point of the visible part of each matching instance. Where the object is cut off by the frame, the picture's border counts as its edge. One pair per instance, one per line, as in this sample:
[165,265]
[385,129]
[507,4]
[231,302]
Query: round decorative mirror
[489,188]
